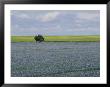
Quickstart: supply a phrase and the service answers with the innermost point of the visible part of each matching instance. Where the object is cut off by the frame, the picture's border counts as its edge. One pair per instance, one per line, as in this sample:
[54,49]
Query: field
[89,38]
[58,56]
[55,59]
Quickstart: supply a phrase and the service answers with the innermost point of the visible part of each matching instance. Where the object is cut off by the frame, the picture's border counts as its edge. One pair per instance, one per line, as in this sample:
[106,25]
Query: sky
[55,22]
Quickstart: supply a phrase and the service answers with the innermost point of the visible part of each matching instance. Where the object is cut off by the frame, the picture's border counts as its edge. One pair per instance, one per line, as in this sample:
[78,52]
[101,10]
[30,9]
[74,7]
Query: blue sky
[55,22]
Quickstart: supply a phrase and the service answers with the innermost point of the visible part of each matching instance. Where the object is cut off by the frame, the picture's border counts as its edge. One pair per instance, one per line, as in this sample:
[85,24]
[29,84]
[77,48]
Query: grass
[87,38]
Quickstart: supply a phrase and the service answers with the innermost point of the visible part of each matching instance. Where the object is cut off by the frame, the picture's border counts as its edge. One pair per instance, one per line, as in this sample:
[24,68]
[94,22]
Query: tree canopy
[39,38]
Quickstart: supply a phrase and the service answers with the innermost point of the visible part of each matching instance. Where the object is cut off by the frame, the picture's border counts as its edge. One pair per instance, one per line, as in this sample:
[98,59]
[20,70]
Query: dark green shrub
[39,38]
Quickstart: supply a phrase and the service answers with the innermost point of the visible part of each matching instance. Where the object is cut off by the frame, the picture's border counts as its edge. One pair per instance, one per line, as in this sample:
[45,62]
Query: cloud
[87,16]
[20,15]
[48,16]
[24,16]
[55,22]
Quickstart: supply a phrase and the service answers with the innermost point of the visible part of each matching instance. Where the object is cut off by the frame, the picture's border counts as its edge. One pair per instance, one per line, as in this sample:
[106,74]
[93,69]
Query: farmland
[57,56]
[55,59]
[88,38]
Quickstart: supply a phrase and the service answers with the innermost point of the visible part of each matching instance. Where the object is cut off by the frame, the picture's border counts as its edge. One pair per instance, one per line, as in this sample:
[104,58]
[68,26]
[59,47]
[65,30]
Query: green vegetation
[89,38]
[39,38]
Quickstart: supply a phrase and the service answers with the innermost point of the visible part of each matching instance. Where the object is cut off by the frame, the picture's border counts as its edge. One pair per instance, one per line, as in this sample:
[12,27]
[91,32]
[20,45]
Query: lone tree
[39,38]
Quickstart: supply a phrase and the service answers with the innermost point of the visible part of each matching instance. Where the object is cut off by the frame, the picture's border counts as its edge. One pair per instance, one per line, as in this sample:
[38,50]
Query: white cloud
[69,22]
[23,16]
[87,16]
[20,15]
[48,16]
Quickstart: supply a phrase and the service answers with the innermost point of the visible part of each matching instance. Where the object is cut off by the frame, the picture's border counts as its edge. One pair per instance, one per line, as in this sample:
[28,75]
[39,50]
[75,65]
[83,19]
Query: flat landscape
[55,59]
[57,56]
[87,38]
[68,43]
